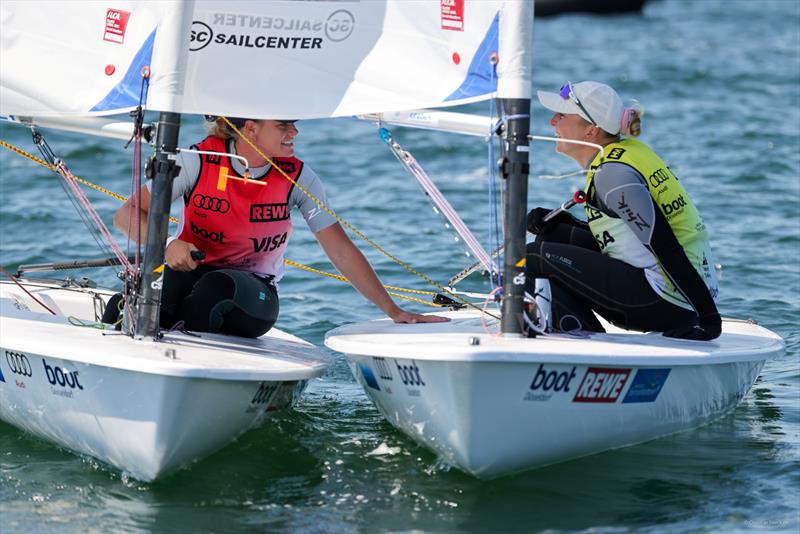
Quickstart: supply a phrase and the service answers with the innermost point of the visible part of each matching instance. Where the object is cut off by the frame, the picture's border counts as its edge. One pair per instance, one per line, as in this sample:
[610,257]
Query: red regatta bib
[239,225]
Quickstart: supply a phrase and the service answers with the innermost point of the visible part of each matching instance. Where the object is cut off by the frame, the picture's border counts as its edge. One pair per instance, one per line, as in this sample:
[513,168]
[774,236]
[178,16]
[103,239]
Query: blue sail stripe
[126,93]
[480,80]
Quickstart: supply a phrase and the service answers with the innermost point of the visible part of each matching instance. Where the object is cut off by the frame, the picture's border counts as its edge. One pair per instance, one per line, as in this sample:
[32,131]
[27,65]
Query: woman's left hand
[402,316]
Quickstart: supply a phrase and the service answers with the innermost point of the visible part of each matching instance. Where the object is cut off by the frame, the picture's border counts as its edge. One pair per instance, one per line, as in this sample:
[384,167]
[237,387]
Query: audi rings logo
[19,363]
[339,25]
[211,203]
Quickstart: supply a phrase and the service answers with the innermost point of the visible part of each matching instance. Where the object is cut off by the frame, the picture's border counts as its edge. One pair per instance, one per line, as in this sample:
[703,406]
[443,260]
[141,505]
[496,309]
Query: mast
[165,170]
[514,92]
[515,168]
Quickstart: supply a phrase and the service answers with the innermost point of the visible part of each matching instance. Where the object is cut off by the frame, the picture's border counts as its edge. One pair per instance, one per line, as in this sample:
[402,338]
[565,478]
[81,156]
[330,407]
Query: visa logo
[602,384]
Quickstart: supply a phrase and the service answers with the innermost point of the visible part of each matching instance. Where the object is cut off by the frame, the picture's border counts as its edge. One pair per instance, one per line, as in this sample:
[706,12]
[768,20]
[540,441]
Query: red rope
[13,279]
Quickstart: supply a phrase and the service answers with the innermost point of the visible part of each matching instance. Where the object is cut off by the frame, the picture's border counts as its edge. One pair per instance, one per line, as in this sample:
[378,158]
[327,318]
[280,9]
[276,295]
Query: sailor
[241,222]
[642,259]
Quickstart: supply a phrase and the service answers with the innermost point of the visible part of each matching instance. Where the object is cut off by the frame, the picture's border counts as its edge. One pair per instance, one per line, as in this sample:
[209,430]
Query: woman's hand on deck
[402,316]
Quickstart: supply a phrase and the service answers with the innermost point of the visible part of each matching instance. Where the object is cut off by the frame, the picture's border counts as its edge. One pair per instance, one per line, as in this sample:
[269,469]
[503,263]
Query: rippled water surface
[721,85]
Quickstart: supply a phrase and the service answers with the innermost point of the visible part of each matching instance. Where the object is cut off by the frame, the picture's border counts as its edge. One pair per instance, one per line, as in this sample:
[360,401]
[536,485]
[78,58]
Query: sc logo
[200,36]
[339,25]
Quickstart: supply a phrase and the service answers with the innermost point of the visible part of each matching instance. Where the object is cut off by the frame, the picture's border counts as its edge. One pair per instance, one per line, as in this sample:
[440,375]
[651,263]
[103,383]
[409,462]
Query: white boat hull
[493,406]
[147,408]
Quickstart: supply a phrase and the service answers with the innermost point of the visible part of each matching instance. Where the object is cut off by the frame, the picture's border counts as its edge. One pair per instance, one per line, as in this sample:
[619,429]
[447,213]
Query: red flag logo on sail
[453,15]
[116,23]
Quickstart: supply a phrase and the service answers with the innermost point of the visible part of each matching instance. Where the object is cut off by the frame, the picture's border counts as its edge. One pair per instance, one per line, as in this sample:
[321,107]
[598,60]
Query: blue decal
[126,93]
[2,378]
[369,376]
[646,385]
[481,78]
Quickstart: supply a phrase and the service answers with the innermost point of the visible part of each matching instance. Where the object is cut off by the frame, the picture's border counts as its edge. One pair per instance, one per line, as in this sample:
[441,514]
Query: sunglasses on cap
[567,93]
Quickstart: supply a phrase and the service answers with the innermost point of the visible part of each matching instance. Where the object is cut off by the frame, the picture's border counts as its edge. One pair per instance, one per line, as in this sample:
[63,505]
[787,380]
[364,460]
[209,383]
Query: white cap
[598,99]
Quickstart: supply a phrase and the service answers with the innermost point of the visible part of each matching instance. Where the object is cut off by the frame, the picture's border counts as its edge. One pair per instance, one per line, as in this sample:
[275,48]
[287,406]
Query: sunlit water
[721,85]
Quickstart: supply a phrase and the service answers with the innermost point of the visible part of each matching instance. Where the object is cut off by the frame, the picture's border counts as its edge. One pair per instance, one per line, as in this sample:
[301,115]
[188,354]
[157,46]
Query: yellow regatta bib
[617,240]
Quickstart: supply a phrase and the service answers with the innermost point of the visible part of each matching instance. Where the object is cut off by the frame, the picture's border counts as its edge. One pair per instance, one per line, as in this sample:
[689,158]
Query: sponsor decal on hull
[411,377]
[369,376]
[646,385]
[595,384]
[262,397]
[384,372]
[547,381]
[62,382]
[19,363]
[602,384]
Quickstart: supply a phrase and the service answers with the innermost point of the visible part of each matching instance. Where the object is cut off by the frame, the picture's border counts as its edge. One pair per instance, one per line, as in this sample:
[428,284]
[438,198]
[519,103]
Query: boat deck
[469,338]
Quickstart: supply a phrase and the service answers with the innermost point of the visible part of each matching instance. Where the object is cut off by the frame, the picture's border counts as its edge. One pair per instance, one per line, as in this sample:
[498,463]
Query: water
[721,85]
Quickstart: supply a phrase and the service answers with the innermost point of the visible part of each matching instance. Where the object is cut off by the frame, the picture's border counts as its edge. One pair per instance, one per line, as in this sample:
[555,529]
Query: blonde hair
[219,128]
[631,120]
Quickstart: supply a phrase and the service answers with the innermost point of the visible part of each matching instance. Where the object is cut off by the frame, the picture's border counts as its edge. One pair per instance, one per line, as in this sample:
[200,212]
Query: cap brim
[554,102]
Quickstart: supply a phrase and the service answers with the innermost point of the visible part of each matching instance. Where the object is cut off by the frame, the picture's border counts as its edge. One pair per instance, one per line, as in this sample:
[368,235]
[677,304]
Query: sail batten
[278,59]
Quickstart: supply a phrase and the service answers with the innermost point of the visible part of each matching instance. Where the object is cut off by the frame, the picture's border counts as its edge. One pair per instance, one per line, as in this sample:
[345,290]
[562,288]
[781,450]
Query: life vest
[618,241]
[239,225]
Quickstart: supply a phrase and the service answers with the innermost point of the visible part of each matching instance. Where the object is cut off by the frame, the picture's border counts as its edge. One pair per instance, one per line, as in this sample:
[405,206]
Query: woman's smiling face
[275,138]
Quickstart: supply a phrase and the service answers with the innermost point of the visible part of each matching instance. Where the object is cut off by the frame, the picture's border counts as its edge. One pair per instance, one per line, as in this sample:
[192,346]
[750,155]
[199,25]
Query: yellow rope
[174,220]
[353,228]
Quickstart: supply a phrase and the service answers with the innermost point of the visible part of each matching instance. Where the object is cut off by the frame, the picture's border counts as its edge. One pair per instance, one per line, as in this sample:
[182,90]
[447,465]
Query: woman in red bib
[243,227]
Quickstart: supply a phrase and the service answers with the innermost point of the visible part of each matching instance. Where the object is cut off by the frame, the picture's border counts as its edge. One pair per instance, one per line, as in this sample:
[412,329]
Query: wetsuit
[641,261]
[244,230]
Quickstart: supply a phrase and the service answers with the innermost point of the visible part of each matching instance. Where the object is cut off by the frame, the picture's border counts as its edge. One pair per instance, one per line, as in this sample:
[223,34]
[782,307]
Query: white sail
[279,59]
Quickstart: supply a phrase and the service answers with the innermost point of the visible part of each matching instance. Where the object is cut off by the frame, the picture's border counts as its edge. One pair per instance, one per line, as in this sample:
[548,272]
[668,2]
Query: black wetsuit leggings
[583,280]
[225,301]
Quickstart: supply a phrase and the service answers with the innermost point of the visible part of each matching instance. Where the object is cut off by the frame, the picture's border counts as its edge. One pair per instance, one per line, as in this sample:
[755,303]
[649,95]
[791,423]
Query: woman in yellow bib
[642,259]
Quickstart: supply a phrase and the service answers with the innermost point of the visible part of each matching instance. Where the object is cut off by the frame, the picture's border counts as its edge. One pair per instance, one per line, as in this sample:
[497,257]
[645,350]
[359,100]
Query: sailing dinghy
[492,402]
[141,399]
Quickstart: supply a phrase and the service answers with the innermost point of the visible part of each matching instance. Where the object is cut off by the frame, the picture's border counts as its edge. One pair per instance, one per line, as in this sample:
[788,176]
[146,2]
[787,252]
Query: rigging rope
[352,228]
[494,218]
[122,198]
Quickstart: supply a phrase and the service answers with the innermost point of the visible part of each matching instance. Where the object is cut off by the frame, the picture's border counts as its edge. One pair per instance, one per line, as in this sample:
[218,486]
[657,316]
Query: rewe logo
[674,206]
[602,385]
[214,237]
[553,380]
[268,212]
[409,374]
[57,376]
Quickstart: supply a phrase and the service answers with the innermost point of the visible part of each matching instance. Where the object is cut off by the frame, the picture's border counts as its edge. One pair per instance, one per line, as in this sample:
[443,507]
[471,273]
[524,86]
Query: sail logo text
[602,385]
[337,27]
[116,24]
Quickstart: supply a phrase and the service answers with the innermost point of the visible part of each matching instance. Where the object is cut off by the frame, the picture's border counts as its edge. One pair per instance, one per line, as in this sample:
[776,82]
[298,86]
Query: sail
[276,59]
